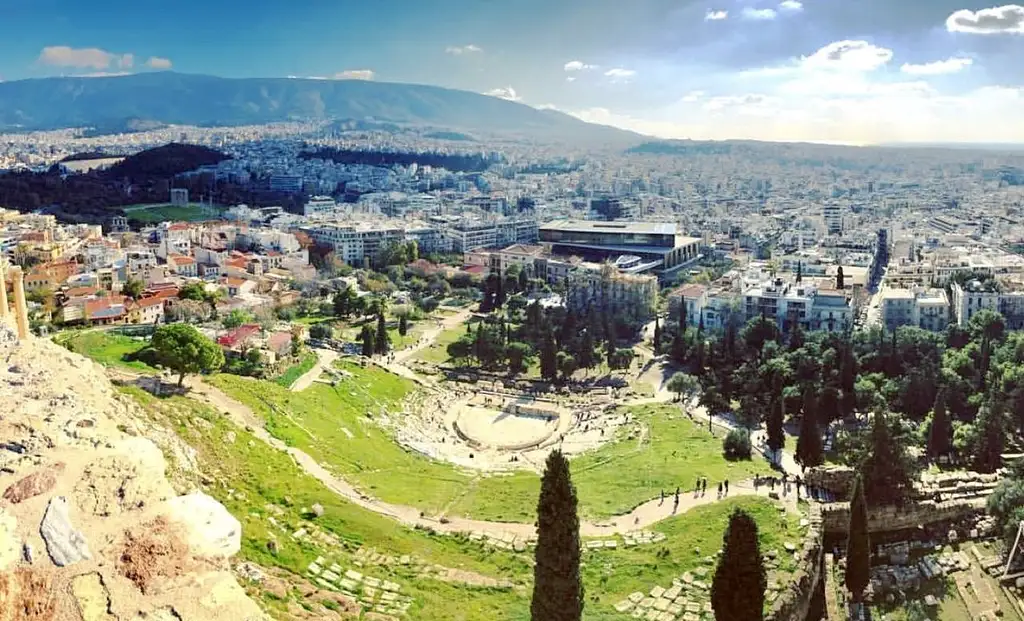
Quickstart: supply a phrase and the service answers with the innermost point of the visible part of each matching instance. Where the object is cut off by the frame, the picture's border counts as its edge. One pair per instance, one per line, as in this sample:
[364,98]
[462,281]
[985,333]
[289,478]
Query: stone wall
[795,601]
[836,516]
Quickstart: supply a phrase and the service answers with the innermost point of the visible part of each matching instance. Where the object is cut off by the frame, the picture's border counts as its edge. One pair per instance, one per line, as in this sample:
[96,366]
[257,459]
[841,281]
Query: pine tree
[809,447]
[557,586]
[840,279]
[888,469]
[657,337]
[858,544]
[776,435]
[369,346]
[382,341]
[682,316]
[403,325]
[738,587]
[940,432]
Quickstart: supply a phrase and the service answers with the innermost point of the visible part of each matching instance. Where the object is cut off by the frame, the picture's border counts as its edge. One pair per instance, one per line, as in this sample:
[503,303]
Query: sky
[843,71]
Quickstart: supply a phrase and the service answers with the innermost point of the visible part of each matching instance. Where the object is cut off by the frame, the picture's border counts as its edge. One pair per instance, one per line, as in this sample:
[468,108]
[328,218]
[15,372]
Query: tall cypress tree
[657,337]
[382,341]
[809,447]
[548,359]
[369,347]
[988,455]
[776,435]
[557,586]
[858,544]
[737,591]
[940,434]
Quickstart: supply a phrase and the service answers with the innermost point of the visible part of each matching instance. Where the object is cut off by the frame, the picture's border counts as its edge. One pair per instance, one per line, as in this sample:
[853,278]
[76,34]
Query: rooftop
[597,226]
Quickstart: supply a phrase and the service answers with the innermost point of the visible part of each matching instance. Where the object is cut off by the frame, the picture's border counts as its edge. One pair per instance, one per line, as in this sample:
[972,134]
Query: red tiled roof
[475,269]
[279,340]
[76,292]
[147,302]
[238,335]
[691,290]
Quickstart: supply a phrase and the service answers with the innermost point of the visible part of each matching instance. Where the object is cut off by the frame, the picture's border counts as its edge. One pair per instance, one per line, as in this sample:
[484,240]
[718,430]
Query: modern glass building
[658,244]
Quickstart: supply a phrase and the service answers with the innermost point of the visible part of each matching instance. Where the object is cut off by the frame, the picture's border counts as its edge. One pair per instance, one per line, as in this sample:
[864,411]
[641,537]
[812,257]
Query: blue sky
[855,71]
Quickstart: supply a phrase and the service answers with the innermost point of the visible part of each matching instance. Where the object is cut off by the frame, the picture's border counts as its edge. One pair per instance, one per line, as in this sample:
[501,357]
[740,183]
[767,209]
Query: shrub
[736,445]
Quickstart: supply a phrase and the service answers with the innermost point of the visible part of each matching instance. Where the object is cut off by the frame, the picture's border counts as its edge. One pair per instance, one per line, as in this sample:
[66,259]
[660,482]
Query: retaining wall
[836,516]
[794,603]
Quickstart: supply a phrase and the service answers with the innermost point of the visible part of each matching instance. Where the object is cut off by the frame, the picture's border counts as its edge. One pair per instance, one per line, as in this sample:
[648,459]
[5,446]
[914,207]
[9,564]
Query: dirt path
[325,358]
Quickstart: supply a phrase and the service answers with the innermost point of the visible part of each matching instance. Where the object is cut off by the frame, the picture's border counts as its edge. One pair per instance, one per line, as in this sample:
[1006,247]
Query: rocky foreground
[90,527]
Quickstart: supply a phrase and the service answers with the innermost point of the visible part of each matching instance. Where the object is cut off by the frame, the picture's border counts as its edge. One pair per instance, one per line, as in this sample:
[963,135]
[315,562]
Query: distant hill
[176,98]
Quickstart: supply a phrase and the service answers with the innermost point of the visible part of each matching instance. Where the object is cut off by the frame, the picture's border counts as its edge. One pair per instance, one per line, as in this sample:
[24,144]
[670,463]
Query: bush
[321,331]
[736,445]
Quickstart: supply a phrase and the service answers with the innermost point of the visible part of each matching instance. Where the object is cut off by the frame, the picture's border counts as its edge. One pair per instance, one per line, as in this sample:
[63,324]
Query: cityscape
[392,344]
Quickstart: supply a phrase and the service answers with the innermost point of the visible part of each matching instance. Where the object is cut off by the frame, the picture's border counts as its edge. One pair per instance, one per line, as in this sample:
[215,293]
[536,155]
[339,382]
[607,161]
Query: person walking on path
[727,487]
[719,491]
[662,501]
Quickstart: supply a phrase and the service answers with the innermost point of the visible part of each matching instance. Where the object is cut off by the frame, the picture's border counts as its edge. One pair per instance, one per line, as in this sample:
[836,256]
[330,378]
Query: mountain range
[187,99]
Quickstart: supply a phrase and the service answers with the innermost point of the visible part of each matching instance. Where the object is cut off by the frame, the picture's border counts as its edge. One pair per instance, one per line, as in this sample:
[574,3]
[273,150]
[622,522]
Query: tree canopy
[183,349]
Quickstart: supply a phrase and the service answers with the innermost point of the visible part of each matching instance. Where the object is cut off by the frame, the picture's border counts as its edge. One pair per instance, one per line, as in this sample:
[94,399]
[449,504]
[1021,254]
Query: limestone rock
[211,530]
[92,597]
[34,484]
[126,482]
[64,544]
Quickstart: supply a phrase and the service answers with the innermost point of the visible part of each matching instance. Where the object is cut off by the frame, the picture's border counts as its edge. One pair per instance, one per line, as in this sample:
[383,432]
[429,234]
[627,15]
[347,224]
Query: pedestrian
[697,487]
[727,487]
[662,498]
[719,490]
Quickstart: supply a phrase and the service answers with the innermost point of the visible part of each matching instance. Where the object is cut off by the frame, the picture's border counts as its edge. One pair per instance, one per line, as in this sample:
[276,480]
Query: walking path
[325,358]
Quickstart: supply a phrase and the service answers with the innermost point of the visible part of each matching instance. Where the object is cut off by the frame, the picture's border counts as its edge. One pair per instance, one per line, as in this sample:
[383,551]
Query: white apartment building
[631,296]
[927,309]
[474,234]
[833,215]
[353,243]
[812,307]
[993,295]
[318,206]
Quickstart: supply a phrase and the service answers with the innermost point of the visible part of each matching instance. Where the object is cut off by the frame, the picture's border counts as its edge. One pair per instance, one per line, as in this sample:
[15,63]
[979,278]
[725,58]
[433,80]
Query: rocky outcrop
[82,480]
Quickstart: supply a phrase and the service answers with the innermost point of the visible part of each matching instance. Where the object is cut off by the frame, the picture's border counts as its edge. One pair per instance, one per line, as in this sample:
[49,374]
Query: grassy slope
[165,212]
[249,477]
[437,353]
[296,371]
[611,480]
[105,348]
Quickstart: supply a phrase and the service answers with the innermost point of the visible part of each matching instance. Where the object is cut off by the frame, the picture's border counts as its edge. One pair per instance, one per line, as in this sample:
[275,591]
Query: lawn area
[332,424]
[623,474]
[437,353]
[369,458]
[296,371]
[256,482]
[165,211]
[106,348]
[610,575]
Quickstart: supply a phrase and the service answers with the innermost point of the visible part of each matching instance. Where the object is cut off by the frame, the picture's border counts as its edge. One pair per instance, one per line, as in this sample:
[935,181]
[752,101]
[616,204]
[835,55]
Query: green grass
[437,353]
[296,371]
[610,481]
[620,475]
[106,348]
[164,212]
[369,459]
[256,482]
[610,575]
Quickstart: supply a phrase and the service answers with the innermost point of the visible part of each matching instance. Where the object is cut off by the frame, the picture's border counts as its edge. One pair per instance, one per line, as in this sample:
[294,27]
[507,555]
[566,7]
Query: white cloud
[692,96]
[848,56]
[758,14]
[354,74]
[1001,19]
[125,61]
[101,74]
[577,65]
[791,5]
[714,16]
[619,74]
[938,67]
[464,49]
[507,92]
[570,78]
[156,62]
[82,58]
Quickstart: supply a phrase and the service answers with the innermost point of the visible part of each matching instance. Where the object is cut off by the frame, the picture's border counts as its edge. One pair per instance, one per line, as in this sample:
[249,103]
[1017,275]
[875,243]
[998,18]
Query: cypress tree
[840,279]
[657,337]
[368,345]
[858,544]
[403,325]
[809,447]
[682,316]
[776,435]
[989,452]
[382,342]
[737,590]
[940,432]
[548,359]
[557,586]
